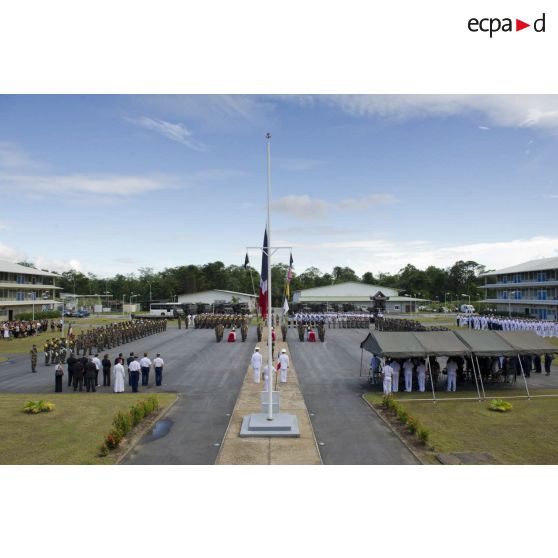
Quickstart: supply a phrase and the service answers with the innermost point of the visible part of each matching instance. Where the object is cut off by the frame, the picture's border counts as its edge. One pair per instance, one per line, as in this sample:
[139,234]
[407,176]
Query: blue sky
[108,184]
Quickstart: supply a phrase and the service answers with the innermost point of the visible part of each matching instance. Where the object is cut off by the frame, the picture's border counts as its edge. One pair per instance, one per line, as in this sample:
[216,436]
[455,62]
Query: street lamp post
[509,302]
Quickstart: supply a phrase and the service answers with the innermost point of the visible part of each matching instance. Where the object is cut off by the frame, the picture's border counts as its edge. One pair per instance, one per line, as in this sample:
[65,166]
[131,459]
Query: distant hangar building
[218,296]
[359,295]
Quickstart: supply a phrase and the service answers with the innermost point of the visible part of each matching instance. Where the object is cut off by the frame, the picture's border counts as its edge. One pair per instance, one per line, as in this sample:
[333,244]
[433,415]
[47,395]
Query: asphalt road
[207,376]
[351,432]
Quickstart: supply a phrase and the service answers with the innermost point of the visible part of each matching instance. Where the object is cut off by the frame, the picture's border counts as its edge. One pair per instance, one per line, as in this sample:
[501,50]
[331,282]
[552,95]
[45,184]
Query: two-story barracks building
[530,289]
[22,288]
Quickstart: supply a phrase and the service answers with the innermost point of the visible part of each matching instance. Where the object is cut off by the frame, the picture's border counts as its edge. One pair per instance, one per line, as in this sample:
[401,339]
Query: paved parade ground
[349,430]
[208,376]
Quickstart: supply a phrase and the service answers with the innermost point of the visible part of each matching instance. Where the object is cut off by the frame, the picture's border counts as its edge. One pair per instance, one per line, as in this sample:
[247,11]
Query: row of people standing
[86,370]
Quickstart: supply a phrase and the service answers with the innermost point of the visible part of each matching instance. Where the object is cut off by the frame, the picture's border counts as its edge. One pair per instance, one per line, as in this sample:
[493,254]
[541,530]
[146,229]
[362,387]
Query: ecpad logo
[492,25]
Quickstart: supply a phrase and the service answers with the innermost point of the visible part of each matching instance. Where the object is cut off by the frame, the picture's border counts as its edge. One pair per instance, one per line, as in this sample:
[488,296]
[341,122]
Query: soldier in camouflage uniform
[259,331]
[244,330]
[34,358]
[300,332]
[46,349]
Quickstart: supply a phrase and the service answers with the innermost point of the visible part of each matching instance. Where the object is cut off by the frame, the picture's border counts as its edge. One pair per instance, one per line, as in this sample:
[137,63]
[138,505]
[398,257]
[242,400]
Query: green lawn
[525,435]
[69,435]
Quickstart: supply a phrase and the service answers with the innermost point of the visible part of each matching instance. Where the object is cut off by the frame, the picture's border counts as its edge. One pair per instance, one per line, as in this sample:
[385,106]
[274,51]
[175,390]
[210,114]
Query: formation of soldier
[100,338]
[395,324]
[335,320]
[543,328]
[210,321]
[56,350]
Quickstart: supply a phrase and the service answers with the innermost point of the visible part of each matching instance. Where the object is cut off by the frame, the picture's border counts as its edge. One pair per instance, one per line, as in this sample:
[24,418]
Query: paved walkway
[269,451]
[351,433]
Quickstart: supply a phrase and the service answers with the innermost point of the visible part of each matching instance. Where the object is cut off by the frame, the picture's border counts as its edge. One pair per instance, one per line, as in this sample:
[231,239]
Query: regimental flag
[286,306]
[246,261]
[70,331]
[289,277]
[263,278]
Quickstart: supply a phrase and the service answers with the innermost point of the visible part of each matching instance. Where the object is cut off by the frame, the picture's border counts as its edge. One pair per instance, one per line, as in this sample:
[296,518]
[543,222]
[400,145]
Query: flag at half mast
[288,278]
[263,278]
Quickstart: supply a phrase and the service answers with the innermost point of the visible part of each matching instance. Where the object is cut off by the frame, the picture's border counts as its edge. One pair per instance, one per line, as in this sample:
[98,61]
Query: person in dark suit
[71,363]
[90,375]
[106,364]
[128,360]
[548,363]
[78,375]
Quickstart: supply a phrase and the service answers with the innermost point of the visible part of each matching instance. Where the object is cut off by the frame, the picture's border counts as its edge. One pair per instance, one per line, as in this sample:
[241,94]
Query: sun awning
[485,343]
[527,342]
[442,343]
[396,344]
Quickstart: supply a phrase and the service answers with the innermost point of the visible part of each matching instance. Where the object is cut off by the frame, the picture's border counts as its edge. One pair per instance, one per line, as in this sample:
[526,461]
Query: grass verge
[525,435]
[69,435]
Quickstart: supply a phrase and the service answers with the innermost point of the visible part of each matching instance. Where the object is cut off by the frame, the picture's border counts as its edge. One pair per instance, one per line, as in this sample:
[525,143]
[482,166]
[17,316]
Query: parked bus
[170,309]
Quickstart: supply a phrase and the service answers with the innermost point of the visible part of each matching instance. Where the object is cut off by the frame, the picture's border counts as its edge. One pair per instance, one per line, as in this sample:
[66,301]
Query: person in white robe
[257,365]
[408,371]
[118,380]
[396,367]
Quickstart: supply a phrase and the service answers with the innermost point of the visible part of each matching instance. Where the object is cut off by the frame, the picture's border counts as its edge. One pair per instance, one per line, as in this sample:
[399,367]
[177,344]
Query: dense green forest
[432,283]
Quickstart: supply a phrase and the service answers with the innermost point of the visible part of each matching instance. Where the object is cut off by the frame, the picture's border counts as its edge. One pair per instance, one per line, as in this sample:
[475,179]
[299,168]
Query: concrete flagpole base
[282,425]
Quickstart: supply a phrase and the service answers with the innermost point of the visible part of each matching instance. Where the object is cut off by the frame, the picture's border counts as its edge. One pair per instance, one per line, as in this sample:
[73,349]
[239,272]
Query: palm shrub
[402,414]
[35,407]
[412,424]
[423,434]
[137,412]
[122,423]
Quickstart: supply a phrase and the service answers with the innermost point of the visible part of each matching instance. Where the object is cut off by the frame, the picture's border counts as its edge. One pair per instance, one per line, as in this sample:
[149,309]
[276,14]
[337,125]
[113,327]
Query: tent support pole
[431,382]
[524,378]
[361,357]
[480,377]
[475,376]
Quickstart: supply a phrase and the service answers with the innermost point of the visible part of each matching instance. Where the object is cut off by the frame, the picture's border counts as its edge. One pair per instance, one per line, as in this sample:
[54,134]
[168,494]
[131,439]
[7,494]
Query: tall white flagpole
[270,367]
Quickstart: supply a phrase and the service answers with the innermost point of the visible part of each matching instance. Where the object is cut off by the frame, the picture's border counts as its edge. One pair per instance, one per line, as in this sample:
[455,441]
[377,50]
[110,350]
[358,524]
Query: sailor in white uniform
[257,365]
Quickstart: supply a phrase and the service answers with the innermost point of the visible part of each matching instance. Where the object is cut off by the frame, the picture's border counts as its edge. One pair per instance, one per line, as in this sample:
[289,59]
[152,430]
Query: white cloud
[390,256]
[215,112]
[484,128]
[12,157]
[10,254]
[526,111]
[82,184]
[303,207]
[175,132]
[366,202]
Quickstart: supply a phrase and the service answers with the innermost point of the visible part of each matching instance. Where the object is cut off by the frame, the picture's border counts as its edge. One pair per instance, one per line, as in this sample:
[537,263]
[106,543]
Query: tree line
[433,283]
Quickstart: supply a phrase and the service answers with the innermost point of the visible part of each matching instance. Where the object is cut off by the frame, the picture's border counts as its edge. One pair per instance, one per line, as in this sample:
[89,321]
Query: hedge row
[413,425]
[124,422]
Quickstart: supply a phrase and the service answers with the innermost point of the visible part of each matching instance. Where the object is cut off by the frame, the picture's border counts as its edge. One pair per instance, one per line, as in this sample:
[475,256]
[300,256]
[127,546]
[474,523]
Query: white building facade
[218,296]
[529,289]
[359,295]
[24,289]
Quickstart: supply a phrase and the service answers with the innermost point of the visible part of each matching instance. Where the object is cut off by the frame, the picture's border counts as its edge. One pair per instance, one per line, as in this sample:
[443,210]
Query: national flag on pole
[246,261]
[289,277]
[286,306]
[263,278]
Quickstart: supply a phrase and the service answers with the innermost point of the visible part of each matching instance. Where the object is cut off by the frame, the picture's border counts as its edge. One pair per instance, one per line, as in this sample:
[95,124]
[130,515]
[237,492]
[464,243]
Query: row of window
[7,294]
[529,294]
[531,276]
[22,279]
